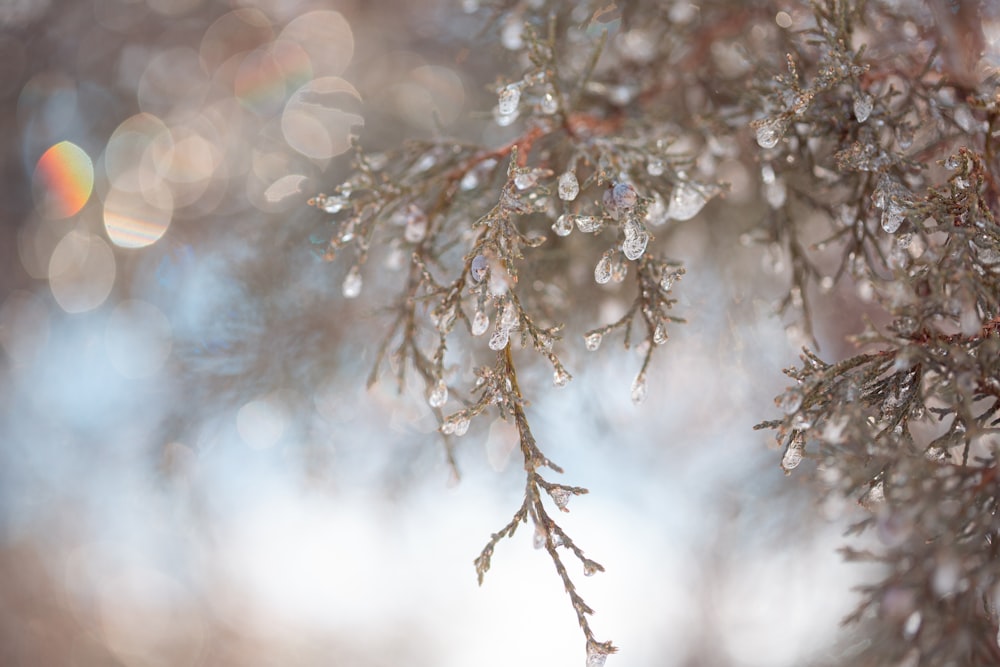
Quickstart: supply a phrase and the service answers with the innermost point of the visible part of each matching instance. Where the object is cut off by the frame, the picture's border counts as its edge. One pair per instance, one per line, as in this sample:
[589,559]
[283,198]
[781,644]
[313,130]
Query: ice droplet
[655,167]
[504,120]
[588,223]
[668,279]
[462,425]
[597,654]
[656,211]
[660,334]
[793,454]
[480,323]
[863,105]
[526,179]
[538,540]
[470,181]
[569,187]
[560,497]
[636,239]
[438,395]
[510,98]
[602,272]
[624,196]
[563,225]
[352,283]
[593,340]
[548,104]
[499,339]
[892,216]
[333,204]
[590,568]
[560,377]
[639,389]
[685,202]
[478,268]
[619,269]
[769,131]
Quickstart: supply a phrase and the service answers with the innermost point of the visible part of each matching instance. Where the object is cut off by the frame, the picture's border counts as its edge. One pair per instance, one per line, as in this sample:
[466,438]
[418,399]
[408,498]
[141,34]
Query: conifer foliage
[870,131]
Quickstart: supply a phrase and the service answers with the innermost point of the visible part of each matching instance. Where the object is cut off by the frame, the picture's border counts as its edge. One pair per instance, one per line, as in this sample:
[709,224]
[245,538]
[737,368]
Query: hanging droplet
[892,216]
[593,340]
[539,538]
[793,453]
[639,389]
[619,268]
[569,187]
[510,98]
[624,196]
[685,202]
[636,239]
[655,167]
[590,568]
[470,181]
[462,426]
[588,223]
[863,105]
[602,272]
[478,268]
[499,339]
[656,211]
[660,334]
[480,323]
[352,283]
[438,395]
[560,497]
[504,120]
[769,131]
[509,316]
[548,104]
[597,654]
[563,225]
[560,377]
[668,279]
[526,179]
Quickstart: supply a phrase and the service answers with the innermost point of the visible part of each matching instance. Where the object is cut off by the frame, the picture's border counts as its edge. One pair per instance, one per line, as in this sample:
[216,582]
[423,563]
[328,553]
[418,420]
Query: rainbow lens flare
[63,180]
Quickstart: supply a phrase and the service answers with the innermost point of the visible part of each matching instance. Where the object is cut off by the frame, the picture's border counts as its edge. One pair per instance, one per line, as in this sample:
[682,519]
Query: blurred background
[191,470]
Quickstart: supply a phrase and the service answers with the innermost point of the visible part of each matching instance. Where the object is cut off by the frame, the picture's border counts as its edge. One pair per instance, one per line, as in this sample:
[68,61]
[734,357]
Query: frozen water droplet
[333,204]
[639,389]
[590,568]
[685,202]
[593,340]
[569,187]
[660,334]
[793,454]
[597,654]
[539,538]
[602,272]
[668,279]
[892,217]
[510,98]
[624,196]
[438,395]
[462,425]
[656,211]
[560,497]
[563,225]
[478,268]
[560,377]
[588,223]
[416,224]
[504,120]
[655,167]
[499,339]
[548,104]
[636,239]
[769,131]
[426,161]
[509,316]
[790,401]
[480,323]
[526,179]
[352,283]
[863,105]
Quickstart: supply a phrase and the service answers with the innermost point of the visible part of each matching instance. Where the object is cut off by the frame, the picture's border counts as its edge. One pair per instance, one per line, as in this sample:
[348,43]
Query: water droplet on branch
[685,202]
[602,272]
[569,187]
[438,395]
[352,283]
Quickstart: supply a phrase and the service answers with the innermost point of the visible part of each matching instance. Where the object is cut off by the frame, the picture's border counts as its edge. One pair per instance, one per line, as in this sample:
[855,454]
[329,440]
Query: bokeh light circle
[321,117]
[326,36]
[63,180]
[133,221]
[81,272]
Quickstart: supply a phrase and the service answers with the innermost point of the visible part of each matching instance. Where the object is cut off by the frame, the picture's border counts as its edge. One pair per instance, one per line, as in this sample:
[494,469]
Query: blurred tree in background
[500,194]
